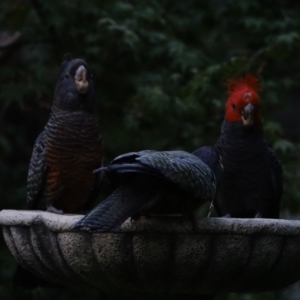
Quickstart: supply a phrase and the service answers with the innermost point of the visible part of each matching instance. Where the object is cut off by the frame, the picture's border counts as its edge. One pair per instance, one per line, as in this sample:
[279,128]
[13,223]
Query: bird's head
[74,89]
[243,104]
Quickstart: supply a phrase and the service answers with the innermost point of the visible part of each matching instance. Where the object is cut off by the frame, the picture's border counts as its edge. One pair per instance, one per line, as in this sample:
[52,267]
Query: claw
[51,208]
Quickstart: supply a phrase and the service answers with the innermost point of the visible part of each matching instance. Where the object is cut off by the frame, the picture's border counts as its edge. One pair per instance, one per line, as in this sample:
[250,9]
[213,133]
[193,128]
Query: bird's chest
[73,150]
[246,163]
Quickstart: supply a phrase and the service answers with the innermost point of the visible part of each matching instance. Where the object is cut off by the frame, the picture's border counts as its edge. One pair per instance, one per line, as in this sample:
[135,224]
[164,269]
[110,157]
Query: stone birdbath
[158,256]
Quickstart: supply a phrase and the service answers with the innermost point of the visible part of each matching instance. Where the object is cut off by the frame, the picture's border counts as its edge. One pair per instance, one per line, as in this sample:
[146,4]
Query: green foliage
[161,69]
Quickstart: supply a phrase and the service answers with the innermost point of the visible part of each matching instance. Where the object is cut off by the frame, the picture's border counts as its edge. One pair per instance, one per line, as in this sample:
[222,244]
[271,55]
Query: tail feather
[129,168]
[127,200]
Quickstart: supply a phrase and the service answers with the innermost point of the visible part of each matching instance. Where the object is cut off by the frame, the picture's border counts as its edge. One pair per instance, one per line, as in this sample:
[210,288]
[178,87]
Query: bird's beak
[248,115]
[81,80]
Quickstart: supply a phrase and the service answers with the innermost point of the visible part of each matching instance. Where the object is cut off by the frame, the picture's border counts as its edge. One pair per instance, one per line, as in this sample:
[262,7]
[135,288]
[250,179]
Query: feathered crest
[251,82]
[66,58]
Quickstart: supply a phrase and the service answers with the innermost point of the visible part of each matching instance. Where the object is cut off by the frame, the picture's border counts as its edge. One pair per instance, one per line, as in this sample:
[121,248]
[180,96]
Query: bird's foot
[211,208]
[135,218]
[51,208]
[226,216]
[258,215]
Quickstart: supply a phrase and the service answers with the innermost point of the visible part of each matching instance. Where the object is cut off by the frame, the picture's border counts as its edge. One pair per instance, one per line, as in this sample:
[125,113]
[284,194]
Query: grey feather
[167,181]
[37,171]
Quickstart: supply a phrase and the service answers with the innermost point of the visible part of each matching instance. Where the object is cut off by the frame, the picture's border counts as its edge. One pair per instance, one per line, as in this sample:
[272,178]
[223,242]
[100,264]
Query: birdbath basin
[158,255]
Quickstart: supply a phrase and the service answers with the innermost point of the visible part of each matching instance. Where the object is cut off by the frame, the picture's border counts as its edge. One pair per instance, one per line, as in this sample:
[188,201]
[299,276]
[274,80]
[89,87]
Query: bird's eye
[233,106]
[67,76]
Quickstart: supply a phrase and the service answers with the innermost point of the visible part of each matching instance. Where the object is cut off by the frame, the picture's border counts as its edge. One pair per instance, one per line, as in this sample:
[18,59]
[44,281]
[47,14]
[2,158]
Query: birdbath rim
[206,255]
[62,223]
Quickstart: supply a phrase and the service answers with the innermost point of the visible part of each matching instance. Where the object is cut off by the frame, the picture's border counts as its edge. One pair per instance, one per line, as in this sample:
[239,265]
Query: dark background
[160,69]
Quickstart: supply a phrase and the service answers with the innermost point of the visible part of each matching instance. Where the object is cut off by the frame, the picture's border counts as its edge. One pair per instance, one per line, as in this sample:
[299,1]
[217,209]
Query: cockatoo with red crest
[251,186]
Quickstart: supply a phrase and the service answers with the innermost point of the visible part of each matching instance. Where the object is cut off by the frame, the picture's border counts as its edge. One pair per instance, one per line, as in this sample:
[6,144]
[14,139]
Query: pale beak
[81,80]
[247,115]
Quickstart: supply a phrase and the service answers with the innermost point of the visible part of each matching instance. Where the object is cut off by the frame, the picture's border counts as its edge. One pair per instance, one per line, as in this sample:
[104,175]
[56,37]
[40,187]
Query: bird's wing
[37,171]
[127,200]
[184,169]
[130,156]
[126,163]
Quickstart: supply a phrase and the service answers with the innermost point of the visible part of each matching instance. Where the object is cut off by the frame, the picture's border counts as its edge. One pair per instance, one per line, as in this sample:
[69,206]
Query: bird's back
[152,182]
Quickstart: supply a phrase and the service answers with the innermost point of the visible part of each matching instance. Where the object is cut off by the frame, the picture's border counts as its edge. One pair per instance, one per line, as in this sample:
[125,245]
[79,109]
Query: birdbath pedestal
[157,256]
